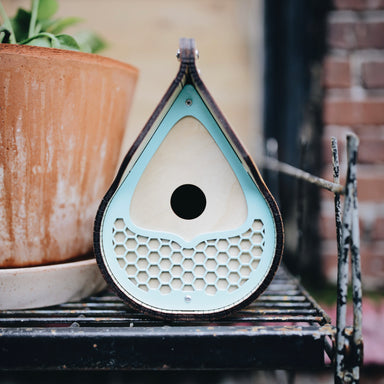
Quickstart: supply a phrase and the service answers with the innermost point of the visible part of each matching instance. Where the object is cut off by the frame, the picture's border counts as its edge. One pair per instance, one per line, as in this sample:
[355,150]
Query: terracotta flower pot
[62,120]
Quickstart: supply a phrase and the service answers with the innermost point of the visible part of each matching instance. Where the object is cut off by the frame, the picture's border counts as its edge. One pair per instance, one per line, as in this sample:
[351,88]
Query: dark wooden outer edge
[188,73]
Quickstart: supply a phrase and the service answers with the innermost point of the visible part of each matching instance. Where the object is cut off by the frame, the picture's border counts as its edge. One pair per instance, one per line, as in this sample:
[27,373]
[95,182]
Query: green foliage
[36,27]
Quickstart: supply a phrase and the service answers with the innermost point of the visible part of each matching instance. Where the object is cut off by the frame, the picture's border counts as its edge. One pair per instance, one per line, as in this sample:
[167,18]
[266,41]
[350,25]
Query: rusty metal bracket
[348,348]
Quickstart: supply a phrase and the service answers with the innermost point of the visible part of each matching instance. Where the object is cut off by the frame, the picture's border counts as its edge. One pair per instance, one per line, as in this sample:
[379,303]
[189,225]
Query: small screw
[188,102]
[188,299]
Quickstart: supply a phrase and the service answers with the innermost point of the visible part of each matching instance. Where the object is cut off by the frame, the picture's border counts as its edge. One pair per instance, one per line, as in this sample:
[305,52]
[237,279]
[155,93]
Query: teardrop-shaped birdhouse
[188,228]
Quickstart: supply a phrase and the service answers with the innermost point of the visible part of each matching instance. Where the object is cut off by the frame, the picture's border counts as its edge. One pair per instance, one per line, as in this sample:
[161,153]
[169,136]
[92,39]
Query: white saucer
[34,287]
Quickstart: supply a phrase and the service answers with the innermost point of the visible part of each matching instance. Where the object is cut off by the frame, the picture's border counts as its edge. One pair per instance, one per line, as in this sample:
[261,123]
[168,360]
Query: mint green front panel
[208,274]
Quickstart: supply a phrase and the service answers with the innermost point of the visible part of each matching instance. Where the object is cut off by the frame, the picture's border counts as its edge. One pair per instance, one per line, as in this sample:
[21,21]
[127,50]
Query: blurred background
[298,71]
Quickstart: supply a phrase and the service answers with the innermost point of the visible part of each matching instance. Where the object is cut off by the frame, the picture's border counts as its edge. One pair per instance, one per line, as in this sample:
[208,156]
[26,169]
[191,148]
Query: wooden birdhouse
[188,228]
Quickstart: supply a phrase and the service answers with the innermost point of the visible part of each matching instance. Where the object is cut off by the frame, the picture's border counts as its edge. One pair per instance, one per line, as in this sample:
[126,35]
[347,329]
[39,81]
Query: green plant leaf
[7,25]
[90,42]
[4,35]
[20,24]
[68,42]
[46,9]
[59,25]
[39,41]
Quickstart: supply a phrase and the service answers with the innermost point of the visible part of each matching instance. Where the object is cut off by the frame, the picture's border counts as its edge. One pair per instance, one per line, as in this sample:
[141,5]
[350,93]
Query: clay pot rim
[63,54]
[48,267]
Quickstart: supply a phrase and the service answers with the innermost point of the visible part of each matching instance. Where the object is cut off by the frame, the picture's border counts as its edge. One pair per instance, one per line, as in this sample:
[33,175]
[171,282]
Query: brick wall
[354,101]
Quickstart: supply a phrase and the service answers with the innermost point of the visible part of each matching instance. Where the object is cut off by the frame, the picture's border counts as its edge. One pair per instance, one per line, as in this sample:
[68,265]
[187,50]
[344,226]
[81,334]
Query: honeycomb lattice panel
[212,265]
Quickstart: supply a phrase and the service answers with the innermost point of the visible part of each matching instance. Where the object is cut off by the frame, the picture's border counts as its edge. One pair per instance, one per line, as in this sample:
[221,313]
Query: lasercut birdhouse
[188,228]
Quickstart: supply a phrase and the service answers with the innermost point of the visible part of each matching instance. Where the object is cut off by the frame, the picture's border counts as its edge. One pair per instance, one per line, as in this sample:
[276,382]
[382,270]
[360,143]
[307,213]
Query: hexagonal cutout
[255,264]
[233,265]
[247,234]
[211,264]
[153,244]
[165,289]
[165,250]
[176,271]
[222,284]
[129,233]
[188,288]
[199,271]
[141,239]
[142,277]
[120,250]
[199,258]
[200,246]
[234,240]
[210,251]
[144,287]
[131,257]
[210,277]
[233,278]
[242,282]
[222,245]
[165,277]
[245,271]
[188,277]
[257,238]
[222,258]
[121,262]
[176,258]
[153,258]
[131,244]
[232,288]
[175,246]
[222,271]
[245,244]
[142,250]
[211,290]
[188,264]
[119,224]
[119,237]
[234,251]
[131,270]
[176,284]
[142,264]
[165,264]
[153,283]
[257,225]
[153,271]
[257,251]
[199,284]
[245,258]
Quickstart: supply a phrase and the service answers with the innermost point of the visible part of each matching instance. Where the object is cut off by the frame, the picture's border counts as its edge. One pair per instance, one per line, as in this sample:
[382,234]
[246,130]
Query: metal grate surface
[283,328]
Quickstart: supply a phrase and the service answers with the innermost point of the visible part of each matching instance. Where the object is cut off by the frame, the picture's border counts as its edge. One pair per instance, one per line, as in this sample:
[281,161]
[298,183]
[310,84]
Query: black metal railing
[283,328]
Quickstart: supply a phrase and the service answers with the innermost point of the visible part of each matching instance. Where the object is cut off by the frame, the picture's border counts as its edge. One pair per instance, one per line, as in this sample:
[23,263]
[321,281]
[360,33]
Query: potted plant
[63,113]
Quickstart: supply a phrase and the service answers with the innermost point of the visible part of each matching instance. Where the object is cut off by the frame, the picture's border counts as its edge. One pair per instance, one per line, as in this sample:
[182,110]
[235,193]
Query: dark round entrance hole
[188,201]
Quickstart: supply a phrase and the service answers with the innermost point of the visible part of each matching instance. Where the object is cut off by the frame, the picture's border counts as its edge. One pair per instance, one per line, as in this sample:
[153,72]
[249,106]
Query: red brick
[327,227]
[369,131]
[356,35]
[358,5]
[378,229]
[353,112]
[337,73]
[371,150]
[373,74]
[372,262]
[369,34]
[370,186]
[341,35]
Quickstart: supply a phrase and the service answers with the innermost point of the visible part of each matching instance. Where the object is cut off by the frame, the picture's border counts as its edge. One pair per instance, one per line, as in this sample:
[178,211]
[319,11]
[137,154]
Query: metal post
[348,341]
